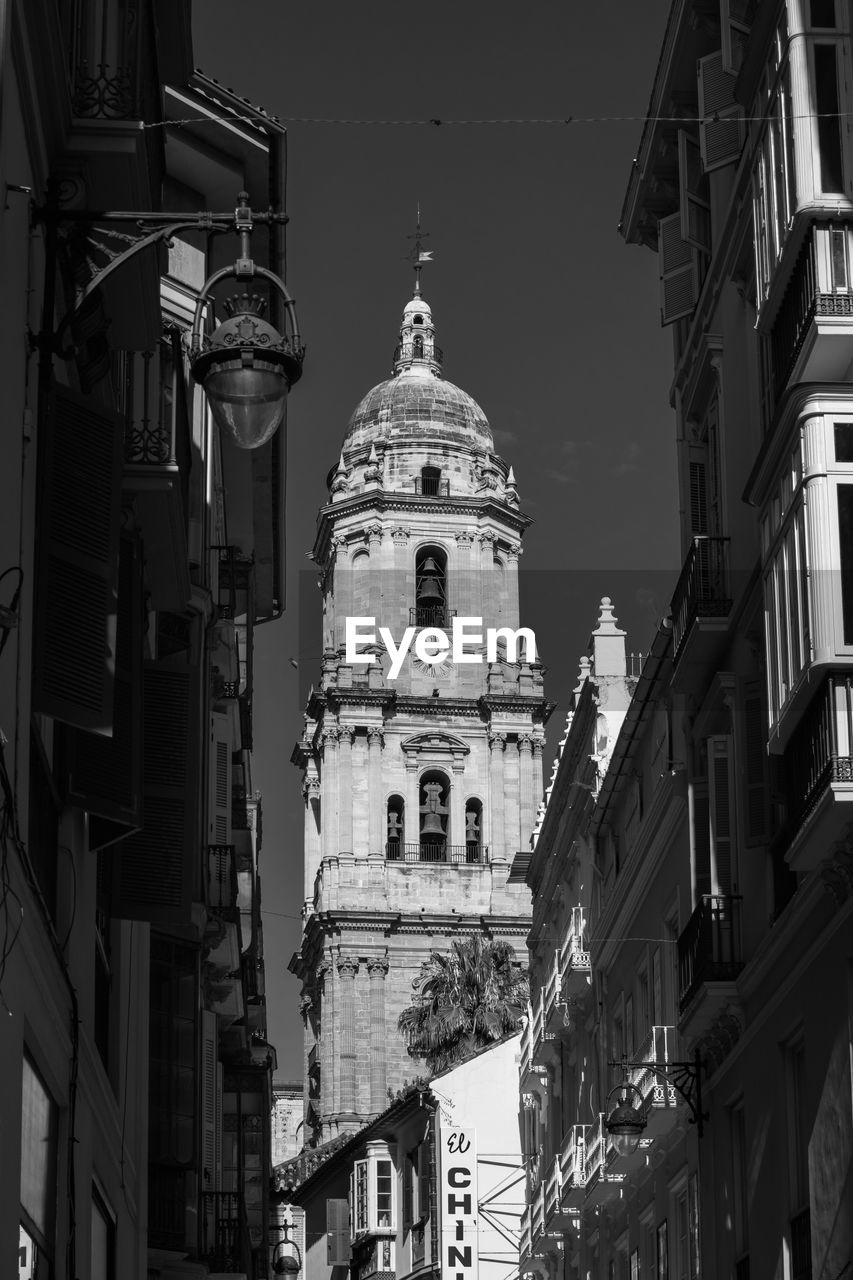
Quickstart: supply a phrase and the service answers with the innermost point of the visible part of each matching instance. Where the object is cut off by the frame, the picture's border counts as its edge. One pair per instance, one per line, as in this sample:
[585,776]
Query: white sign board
[457,1181]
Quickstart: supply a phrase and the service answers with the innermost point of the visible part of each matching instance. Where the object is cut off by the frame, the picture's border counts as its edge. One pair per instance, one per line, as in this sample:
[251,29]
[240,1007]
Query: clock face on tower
[422,782]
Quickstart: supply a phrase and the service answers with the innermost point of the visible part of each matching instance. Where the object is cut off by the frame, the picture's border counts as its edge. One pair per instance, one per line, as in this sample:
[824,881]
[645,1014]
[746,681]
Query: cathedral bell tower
[420,785]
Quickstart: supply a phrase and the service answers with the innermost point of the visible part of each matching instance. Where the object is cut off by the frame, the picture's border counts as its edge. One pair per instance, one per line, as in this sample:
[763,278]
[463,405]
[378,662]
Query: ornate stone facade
[412,816]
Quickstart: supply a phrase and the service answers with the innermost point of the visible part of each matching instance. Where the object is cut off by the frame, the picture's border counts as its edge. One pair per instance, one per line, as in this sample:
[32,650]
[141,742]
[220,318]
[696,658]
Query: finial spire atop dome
[419,255]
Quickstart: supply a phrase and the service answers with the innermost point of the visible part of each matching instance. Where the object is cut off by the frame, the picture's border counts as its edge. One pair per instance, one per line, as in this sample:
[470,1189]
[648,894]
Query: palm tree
[464,1000]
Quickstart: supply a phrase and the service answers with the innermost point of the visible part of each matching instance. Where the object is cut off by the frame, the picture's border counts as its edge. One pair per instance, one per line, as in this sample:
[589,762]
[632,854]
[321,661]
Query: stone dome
[415,404]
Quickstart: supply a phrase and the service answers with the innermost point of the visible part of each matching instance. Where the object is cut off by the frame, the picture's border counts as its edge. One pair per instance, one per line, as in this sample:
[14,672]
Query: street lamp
[285,1264]
[245,367]
[626,1122]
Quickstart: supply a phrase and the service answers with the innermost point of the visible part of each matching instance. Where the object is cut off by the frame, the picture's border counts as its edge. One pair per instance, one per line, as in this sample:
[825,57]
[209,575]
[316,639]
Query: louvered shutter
[755,759]
[734,32]
[80,461]
[679,271]
[698,496]
[694,209]
[721,799]
[104,775]
[337,1233]
[219,779]
[657,990]
[423,1181]
[721,131]
[702,843]
[210,1139]
[158,866]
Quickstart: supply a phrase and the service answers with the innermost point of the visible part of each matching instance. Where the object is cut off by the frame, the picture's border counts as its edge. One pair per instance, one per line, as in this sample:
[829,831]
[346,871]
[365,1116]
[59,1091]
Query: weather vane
[419,255]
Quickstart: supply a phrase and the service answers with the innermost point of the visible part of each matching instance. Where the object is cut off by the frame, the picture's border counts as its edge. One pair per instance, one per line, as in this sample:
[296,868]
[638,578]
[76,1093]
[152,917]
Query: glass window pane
[828,121]
[845,551]
[844,441]
[823,13]
[38,1151]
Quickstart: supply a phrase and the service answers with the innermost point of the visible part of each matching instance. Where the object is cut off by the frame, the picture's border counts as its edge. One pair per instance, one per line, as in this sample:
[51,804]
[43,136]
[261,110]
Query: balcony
[709,960]
[574,960]
[659,1096]
[573,1166]
[456,854]
[534,1037]
[701,603]
[157,457]
[432,487]
[812,335]
[431,615]
[603,1182]
[818,772]
[222,890]
[525,1243]
[411,351]
[225,1244]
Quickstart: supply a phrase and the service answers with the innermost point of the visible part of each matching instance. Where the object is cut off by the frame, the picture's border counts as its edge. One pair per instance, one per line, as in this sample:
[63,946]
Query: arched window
[418,320]
[473,830]
[430,588]
[418,347]
[396,832]
[434,815]
[360,578]
[430,481]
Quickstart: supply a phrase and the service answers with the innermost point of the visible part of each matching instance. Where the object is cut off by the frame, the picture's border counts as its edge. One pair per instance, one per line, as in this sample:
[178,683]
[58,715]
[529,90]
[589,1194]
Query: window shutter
[104,775]
[679,271]
[337,1233]
[657,990]
[80,462]
[694,209]
[158,866]
[721,798]
[409,1178]
[698,483]
[734,32]
[219,779]
[423,1181]
[721,131]
[755,757]
[702,843]
[209,1139]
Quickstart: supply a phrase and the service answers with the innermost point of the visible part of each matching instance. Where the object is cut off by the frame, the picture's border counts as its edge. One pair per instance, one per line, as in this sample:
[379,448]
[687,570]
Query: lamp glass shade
[247,400]
[625,1124]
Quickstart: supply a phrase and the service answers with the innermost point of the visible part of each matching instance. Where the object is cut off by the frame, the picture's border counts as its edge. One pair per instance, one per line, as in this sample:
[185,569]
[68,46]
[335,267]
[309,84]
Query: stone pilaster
[497,833]
[347,969]
[342,579]
[311,795]
[376,814]
[329,779]
[526,806]
[377,968]
[488,605]
[456,834]
[511,605]
[345,740]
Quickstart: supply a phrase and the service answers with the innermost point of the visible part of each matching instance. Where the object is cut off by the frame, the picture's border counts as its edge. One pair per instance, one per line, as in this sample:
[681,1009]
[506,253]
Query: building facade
[419,782]
[716,847]
[431,1186]
[135,1072]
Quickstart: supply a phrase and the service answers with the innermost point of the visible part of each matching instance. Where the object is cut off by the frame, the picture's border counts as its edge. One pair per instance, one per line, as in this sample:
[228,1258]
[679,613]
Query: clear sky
[545,316]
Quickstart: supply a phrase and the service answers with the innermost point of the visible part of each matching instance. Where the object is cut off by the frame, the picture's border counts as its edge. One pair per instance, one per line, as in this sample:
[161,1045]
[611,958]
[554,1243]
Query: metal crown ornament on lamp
[246,367]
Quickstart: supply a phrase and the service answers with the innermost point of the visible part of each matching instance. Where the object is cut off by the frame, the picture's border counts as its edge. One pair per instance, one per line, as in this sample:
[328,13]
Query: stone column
[329,784]
[375,566]
[497,835]
[526,809]
[376,817]
[329,1066]
[347,969]
[311,795]
[412,820]
[538,780]
[465,593]
[403,583]
[456,834]
[346,735]
[377,967]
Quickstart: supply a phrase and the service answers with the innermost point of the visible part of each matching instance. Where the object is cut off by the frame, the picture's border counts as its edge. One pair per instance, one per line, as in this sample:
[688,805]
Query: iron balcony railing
[225,1244]
[430,615]
[703,589]
[221,877]
[152,401]
[411,350]
[820,285]
[573,1157]
[821,749]
[658,1047]
[432,487]
[709,948]
[436,851]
